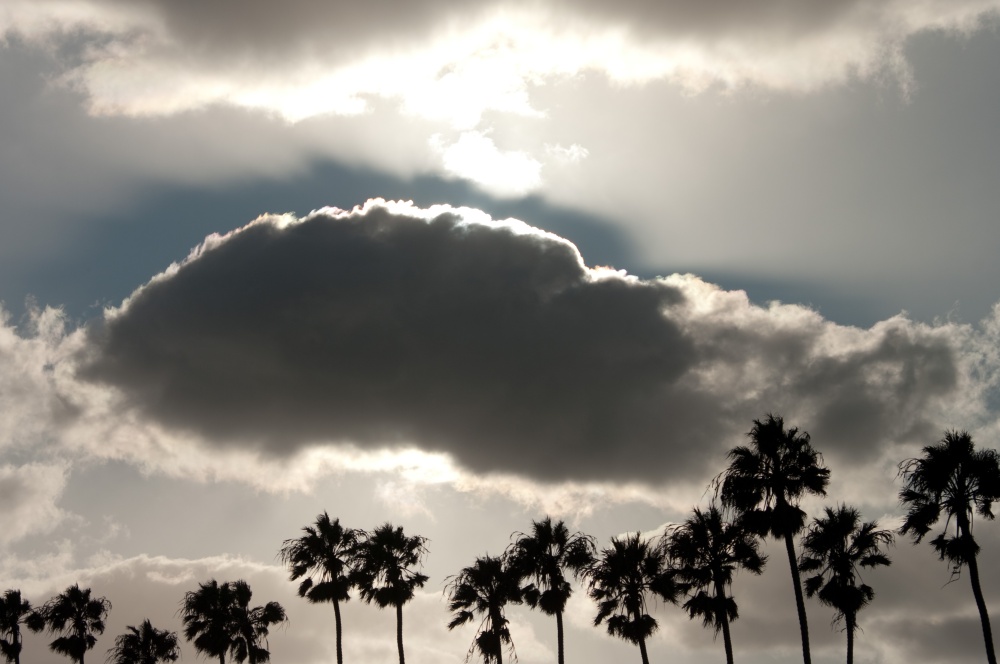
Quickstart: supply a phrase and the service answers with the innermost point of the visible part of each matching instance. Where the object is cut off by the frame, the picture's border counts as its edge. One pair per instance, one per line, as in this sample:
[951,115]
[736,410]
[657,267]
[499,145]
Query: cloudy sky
[459,265]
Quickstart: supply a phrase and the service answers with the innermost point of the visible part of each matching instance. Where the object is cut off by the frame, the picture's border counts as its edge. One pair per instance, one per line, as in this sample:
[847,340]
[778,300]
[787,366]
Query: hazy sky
[459,265]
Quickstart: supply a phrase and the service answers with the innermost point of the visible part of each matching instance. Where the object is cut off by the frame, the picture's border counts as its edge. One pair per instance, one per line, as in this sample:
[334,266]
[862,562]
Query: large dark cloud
[494,343]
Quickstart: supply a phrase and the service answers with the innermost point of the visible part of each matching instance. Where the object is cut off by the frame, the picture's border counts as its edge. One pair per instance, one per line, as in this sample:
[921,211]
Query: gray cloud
[493,342]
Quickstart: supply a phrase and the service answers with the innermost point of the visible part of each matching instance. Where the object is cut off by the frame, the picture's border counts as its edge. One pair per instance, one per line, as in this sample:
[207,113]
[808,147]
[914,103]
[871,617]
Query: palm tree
[77,616]
[835,546]
[144,645]
[13,612]
[323,555]
[705,552]
[620,580]
[485,589]
[219,620]
[383,571]
[954,478]
[764,482]
[542,557]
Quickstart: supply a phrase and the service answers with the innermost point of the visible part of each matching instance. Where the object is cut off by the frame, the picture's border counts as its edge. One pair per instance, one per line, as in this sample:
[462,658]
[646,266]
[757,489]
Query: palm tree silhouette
[383,571]
[705,552]
[218,619]
[542,557]
[485,589]
[77,616]
[144,645]
[835,546]
[13,612]
[324,556]
[763,484]
[620,580]
[954,478]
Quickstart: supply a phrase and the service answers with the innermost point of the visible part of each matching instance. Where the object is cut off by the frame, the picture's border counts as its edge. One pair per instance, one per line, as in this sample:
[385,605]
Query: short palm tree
[835,546]
[620,581]
[543,557]
[763,484]
[219,620]
[705,553]
[144,645]
[384,571]
[955,479]
[76,615]
[13,612]
[323,555]
[484,589]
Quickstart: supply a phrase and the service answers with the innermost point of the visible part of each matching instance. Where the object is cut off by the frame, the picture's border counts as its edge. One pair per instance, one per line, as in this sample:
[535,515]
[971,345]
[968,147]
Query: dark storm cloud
[493,343]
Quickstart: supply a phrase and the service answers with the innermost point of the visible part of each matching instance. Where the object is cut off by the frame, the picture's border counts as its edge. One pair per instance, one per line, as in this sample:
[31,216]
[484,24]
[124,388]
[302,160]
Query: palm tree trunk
[399,632]
[991,656]
[559,635]
[222,658]
[720,597]
[336,614]
[642,651]
[799,601]
[851,624]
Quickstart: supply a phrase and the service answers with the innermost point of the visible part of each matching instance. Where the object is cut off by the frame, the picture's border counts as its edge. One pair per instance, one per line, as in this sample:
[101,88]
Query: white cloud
[474,156]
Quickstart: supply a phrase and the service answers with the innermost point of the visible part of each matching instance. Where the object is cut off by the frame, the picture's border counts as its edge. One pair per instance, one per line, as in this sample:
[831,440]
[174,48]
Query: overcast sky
[460,265]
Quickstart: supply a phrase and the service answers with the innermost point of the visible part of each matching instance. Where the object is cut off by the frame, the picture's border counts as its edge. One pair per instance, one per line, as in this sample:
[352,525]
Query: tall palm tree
[13,612]
[621,579]
[954,478]
[384,571]
[835,546]
[76,615]
[765,481]
[543,556]
[144,645]
[219,620]
[705,552]
[323,555]
[485,589]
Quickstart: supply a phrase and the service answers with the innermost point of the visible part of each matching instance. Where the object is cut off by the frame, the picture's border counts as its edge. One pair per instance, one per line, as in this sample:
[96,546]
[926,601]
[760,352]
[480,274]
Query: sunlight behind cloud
[474,156]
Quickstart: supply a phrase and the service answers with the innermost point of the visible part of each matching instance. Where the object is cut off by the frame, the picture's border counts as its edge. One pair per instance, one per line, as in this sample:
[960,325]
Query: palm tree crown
[954,478]
[485,589]
[78,616]
[835,547]
[144,645]
[219,620]
[384,573]
[323,555]
[621,579]
[13,612]
[542,557]
[705,553]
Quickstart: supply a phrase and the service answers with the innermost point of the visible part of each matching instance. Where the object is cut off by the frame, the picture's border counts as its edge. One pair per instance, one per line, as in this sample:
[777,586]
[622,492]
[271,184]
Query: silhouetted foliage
[77,616]
[144,645]
[13,612]
[542,557]
[324,556]
[705,552]
[384,573]
[621,579]
[954,478]
[219,620]
[765,481]
[484,589]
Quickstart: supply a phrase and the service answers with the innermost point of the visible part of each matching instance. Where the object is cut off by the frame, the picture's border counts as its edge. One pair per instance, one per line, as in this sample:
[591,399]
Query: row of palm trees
[692,564]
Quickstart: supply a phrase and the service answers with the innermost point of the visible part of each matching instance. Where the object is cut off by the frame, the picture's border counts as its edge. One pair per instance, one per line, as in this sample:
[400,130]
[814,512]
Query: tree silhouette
[542,557]
[763,484]
[77,616]
[219,620]
[13,612]
[621,579]
[705,552]
[485,589]
[954,478]
[835,546]
[384,571]
[323,555]
[144,645]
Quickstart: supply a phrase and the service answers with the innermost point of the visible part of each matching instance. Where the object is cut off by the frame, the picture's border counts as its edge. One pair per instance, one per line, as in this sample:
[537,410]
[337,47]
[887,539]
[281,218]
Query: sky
[461,265]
